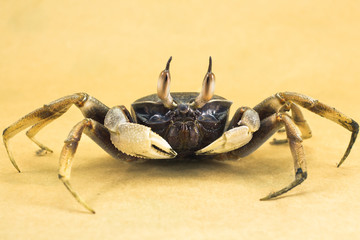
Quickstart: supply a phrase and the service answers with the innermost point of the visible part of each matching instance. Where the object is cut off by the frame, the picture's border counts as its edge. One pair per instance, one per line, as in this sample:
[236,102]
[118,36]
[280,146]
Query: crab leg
[325,111]
[268,127]
[275,103]
[139,141]
[298,119]
[39,118]
[36,128]
[297,152]
[97,132]
[66,158]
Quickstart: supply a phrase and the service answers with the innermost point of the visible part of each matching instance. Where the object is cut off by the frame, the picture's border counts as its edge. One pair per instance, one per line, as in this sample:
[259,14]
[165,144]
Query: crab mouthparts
[183,135]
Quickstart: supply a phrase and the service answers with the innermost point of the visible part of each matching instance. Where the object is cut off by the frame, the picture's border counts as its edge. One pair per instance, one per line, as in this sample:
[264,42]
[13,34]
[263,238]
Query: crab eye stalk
[163,87]
[208,88]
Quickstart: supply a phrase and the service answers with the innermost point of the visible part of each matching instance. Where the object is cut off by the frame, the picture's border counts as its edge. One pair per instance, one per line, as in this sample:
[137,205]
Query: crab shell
[185,127]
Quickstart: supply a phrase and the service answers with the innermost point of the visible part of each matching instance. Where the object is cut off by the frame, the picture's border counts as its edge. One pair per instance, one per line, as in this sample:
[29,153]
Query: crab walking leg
[298,119]
[40,125]
[105,139]
[101,136]
[268,127]
[66,158]
[39,118]
[297,152]
[325,111]
[239,133]
[276,102]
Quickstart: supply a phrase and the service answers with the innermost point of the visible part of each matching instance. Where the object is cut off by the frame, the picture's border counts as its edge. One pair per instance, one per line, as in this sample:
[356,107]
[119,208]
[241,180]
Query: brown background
[114,50]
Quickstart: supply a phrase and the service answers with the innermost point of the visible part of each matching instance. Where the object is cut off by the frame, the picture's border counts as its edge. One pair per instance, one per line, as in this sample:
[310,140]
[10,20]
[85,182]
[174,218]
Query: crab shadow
[254,169]
[194,168]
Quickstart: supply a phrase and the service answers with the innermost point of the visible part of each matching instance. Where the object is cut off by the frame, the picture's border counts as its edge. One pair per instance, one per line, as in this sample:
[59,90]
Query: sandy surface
[115,51]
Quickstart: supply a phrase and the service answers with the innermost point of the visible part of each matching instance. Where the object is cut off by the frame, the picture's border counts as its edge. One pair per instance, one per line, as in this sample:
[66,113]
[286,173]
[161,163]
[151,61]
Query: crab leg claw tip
[67,184]
[299,178]
[10,154]
[351,143]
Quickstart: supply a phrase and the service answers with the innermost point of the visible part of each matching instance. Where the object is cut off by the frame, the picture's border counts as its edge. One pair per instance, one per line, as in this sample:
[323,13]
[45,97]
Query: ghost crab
[165,126]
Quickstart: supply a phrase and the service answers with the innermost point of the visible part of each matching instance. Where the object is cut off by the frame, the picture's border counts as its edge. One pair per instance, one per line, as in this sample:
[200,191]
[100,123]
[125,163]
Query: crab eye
[157,118]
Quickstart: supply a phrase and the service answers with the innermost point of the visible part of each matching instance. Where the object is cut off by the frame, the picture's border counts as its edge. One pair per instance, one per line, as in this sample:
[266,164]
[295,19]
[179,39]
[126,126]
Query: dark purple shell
[184,128]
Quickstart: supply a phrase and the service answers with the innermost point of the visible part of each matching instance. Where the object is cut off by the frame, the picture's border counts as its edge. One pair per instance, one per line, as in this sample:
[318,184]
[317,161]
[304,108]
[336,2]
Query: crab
[182,124]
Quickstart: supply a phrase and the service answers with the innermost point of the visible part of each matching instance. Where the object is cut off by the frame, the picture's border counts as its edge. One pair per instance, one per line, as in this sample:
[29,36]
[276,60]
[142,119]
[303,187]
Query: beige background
[114,50]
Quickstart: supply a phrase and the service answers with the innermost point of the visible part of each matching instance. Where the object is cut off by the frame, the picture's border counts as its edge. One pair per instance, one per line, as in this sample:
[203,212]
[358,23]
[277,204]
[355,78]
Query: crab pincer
[135,139]
[139,141]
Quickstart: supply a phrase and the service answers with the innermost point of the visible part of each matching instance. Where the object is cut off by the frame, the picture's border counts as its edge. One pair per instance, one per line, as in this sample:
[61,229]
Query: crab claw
[230,140]
[139,141]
